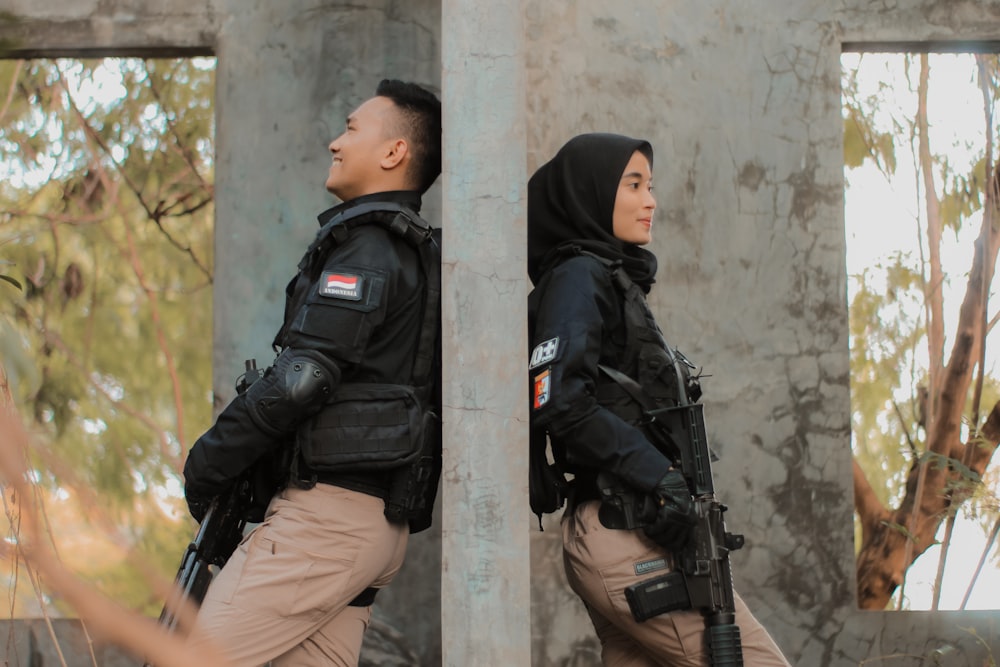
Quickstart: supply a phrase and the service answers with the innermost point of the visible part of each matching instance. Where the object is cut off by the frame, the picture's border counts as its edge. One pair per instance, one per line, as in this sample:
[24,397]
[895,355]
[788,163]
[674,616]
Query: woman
[594,347]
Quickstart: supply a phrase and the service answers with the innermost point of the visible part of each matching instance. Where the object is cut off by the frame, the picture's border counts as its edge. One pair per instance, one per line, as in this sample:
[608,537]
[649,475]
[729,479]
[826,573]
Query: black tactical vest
[648,359]
[393,430]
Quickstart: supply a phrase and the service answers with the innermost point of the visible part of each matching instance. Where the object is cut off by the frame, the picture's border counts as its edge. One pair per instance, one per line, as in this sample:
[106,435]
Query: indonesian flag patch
[541,388]
[341,285]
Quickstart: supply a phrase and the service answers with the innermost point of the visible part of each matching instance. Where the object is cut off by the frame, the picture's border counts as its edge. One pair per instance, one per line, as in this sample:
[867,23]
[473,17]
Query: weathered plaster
[484,591]
[743,109]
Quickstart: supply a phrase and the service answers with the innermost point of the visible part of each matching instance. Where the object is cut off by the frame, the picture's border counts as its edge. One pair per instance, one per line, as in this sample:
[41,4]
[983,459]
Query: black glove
[198,503]
[675,514]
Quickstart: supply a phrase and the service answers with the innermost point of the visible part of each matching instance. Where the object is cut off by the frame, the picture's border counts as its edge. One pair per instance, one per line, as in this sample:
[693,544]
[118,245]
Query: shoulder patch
[544,353]
[541,389]
[341,285]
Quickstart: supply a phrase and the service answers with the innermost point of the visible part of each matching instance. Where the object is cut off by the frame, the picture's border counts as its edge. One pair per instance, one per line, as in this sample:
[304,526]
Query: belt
[372,483]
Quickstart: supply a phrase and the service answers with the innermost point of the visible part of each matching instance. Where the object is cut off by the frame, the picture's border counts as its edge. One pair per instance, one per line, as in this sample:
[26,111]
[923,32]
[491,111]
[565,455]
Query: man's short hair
[420,113]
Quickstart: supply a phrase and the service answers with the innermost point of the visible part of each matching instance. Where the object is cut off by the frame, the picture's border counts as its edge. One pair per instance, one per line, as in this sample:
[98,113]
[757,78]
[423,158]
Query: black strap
[631,387]
[634,390]
[336,230]
[429,250]
[638,318]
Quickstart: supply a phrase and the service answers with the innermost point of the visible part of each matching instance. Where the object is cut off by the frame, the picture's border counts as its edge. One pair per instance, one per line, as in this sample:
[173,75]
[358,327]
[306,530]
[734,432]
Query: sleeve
[348,300]
[568,326]
[332,328]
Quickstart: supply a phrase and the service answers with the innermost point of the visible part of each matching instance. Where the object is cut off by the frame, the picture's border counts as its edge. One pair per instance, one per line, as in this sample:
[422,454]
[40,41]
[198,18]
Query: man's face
[358,153]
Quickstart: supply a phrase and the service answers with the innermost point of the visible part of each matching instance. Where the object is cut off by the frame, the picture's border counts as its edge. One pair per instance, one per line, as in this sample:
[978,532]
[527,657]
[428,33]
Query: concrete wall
[741,101]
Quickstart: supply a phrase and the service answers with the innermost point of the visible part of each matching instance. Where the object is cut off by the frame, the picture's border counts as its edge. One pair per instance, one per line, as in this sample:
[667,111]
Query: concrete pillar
[485,584]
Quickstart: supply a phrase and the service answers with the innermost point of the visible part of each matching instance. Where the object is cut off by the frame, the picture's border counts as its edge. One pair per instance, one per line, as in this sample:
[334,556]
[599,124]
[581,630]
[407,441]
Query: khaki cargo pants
[283,595]
[601,563]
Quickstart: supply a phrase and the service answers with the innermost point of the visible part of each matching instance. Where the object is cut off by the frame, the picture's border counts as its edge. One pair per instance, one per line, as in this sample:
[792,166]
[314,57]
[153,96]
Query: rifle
[703,579]
[219,534]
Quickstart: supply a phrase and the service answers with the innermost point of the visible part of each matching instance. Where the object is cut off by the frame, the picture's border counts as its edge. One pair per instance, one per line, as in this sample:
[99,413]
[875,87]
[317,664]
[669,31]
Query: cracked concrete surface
[744,116]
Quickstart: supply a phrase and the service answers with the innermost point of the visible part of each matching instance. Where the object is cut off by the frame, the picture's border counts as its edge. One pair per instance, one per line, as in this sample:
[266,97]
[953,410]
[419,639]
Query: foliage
[885,331]
[106,223]
[897,360]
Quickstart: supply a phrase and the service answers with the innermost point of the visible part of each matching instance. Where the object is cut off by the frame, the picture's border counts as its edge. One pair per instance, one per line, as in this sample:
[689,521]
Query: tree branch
[869,508]
[10,91]
[136,189]
[983,448]
[185,151]
[935,327]
[989,208]
[133,257]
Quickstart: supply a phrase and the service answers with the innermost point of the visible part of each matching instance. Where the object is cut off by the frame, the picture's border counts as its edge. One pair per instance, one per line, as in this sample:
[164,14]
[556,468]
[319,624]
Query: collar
[408,198]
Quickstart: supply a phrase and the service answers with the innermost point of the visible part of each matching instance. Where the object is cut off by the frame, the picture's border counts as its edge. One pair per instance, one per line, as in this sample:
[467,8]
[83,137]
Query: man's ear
[396,152]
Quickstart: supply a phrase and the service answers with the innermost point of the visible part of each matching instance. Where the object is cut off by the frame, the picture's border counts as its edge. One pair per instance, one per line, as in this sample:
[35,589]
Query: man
[358,342]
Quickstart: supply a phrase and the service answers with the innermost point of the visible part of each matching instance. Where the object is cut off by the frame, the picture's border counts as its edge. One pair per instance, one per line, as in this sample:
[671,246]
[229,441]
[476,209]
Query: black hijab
[571,202]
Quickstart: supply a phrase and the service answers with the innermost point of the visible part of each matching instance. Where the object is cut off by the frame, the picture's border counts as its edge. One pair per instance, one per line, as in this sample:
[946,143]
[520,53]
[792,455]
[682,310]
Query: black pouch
[364,427]
[413,489]
[659,595]
[547,485]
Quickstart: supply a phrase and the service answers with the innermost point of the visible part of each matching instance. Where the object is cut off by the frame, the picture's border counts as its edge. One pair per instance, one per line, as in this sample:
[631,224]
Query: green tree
[926,419]
[106,224]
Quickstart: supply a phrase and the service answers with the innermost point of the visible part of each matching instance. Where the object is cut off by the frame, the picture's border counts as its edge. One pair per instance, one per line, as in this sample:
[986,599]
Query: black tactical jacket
[359,303]
[576,322]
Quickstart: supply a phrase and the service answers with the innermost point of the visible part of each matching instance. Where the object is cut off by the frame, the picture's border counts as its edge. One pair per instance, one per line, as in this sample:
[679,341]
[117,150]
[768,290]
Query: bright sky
[880,220]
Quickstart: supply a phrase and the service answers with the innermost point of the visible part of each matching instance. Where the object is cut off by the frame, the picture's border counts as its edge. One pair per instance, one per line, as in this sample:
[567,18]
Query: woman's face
[632,220]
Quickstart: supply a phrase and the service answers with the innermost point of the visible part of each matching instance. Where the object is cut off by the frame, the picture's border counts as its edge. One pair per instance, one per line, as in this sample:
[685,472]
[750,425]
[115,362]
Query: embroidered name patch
[542,385]
[647,566]
[341,285]
[544,353]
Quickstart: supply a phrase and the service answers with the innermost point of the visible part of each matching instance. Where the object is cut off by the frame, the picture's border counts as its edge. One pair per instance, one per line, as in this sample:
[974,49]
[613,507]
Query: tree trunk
[882,561]
[893,538]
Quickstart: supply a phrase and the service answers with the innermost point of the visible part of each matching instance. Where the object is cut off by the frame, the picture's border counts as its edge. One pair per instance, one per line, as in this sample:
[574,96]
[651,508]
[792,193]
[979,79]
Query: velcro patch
[544,353]
[341,285]
[647,566]
[541,391]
